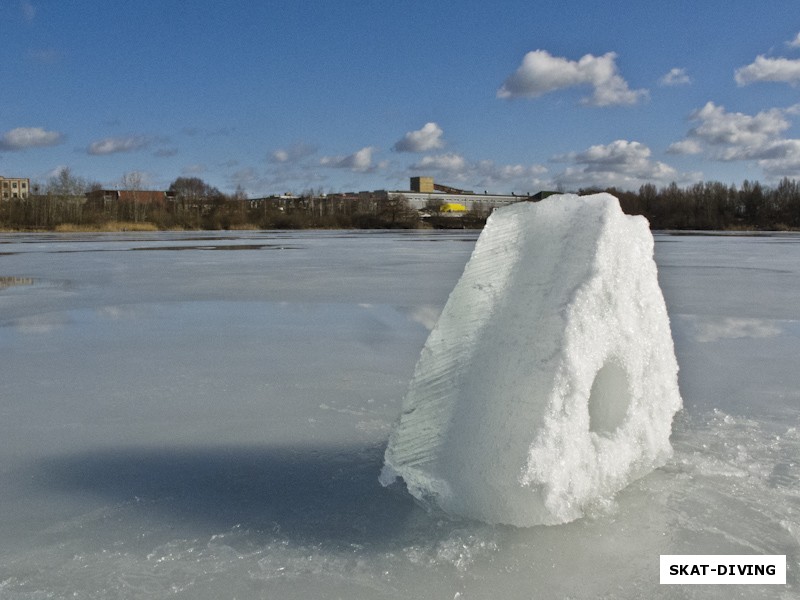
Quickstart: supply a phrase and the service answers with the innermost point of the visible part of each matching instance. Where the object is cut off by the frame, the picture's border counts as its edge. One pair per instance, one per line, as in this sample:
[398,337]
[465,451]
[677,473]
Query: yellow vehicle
[453,207]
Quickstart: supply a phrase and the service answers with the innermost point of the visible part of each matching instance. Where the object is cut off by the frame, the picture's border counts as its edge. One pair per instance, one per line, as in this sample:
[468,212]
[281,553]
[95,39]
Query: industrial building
[426,193]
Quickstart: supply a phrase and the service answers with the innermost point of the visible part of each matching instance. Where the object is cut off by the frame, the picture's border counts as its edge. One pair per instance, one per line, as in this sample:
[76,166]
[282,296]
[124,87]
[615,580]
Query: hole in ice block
[609,399]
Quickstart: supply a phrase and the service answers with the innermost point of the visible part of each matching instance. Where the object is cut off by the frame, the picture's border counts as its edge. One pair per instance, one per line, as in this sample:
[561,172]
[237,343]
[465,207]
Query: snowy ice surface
[204,415]
[549,382]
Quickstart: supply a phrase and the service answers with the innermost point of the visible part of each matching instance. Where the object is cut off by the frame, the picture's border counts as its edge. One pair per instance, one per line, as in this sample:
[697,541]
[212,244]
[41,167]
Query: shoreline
[125,227]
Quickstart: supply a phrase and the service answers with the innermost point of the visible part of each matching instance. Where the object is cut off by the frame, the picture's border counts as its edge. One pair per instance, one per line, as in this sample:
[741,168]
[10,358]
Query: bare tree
[65,184]
[132,182]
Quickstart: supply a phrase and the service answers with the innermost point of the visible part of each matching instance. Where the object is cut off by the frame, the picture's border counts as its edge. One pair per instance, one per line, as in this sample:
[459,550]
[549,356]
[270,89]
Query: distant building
[14,187]
[542,195]
[425,193]
[107,197]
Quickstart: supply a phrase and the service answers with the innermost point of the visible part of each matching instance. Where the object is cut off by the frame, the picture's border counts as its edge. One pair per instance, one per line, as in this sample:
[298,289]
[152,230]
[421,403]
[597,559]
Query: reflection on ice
[425,315]
[221,247]
[7,282]
[711,330]
[40,324]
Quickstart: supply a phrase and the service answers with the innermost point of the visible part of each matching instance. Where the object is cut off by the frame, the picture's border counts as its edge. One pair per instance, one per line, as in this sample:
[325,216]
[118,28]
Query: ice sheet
[237,455]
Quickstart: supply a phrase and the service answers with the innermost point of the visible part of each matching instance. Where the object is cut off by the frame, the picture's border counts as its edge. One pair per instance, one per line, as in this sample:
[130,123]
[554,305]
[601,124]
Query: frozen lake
[204,415]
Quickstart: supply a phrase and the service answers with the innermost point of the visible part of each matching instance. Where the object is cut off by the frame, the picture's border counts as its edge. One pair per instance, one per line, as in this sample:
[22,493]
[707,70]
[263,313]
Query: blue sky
[360,95]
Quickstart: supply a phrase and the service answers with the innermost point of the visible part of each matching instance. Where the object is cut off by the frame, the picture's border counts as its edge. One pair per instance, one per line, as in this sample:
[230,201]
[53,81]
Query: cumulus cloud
[541,73]
[720,127]
[23,138]
[795,43]
[675,76]
[773,150]
[448,163]
[621,163]
[360,161]
[422,140]
[521,177]
[735,136]
[780,70]
[113,145]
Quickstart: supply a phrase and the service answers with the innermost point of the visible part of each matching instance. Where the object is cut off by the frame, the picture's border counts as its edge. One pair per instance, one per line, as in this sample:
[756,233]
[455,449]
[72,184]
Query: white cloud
[292,154]
[781,70]
[113,145]
[449,163]
[541,73]
[773,150]
[675,76]
[23,138]
[527,178]
[719,127]
[685,147]
[733,136]
[422,140]
[360,161]
[781,167]
[619,152]
[621,163]
[795,43]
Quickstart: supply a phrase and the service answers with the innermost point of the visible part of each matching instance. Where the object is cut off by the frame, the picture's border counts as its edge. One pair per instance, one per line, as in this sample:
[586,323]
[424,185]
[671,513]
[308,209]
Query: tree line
[67,201]
[715,206]
[190,203]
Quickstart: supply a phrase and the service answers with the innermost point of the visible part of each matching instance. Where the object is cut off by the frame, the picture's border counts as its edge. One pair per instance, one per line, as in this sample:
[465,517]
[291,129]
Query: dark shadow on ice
[307,494]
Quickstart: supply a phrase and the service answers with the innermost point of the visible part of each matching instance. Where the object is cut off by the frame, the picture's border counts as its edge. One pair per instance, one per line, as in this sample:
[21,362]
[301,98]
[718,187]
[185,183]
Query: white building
[426,193]
[14,187]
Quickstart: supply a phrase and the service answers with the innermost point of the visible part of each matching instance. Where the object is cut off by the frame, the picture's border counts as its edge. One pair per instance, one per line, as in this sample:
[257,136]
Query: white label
[688,569]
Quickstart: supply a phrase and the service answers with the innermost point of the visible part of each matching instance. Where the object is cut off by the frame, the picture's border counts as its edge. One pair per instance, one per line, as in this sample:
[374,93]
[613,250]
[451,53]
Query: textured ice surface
[208,424]
[549,382]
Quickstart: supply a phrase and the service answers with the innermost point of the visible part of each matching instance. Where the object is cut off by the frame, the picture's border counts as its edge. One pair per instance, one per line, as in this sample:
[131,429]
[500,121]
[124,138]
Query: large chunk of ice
[549,382]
